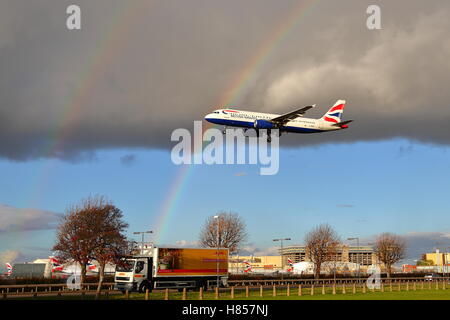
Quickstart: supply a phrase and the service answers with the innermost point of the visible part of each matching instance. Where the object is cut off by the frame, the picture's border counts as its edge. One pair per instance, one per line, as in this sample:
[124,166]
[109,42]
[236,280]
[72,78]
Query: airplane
[289,122]
[71,268]
[56,266]
[248,267]
[290,265]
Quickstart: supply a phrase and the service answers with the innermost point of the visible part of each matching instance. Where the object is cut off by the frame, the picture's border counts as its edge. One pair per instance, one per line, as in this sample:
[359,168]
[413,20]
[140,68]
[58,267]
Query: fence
[50,289]
[316,282]
[239,289]
[312,287]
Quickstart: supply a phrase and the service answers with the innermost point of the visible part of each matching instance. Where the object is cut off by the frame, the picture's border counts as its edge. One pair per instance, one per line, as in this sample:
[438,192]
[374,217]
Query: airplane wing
[291,115]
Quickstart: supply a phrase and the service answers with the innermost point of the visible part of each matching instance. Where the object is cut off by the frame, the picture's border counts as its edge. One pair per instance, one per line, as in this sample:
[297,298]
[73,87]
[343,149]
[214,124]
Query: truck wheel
[144,286]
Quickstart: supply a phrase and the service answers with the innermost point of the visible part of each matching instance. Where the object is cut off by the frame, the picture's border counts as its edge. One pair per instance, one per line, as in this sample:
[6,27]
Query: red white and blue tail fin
[9,269]
[56,266]
[334,114]
[91,266]
[248,267]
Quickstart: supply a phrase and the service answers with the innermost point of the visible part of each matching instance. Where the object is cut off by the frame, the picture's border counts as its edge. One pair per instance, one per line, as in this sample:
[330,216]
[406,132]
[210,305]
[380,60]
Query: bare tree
[91,229]
[321,245]
[111,243]
[226,231]
[74,238]
[332,256]
[389,249]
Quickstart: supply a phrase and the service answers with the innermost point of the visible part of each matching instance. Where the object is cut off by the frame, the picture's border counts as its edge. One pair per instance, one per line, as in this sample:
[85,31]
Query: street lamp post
[142,241]
[281,253]
[217,252]
[357,244]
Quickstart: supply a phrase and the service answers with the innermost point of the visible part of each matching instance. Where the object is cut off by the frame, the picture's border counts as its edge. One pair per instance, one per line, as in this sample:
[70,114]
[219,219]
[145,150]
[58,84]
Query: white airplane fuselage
[246,119]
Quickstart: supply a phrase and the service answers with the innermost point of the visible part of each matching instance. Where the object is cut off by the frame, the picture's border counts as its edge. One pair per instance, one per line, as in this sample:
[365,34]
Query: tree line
[228,230]
[323,242]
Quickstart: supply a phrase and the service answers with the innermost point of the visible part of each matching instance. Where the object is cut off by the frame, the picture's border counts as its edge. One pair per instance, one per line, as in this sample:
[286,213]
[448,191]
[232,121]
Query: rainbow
[109,50]
[71,113]
[234,92]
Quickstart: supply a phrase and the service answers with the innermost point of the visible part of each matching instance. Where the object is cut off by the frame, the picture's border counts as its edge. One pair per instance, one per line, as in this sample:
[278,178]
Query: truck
[172,268]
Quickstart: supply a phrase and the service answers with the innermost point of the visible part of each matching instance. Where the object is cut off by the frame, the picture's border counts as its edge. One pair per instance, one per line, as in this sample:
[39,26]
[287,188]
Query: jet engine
[264,124]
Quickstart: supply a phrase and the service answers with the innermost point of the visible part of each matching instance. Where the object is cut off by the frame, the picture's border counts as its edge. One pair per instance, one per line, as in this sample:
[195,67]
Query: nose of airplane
[208,116]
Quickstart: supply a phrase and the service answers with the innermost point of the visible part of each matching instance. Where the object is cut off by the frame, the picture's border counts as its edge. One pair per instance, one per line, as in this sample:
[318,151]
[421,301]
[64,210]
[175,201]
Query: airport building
[362,255]
[431,262]
[437,258]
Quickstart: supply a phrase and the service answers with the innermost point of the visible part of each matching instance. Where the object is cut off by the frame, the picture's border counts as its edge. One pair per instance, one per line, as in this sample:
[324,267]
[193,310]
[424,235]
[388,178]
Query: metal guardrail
[232,292]
[50,287]
[91,287]
[338,281]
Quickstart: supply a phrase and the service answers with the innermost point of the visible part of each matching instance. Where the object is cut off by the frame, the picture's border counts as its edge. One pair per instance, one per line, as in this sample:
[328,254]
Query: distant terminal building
[431,262]
[437,258]
[362,255]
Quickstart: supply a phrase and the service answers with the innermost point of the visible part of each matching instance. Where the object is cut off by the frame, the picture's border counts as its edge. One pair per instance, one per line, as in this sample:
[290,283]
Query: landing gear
[269,138]
[224,130]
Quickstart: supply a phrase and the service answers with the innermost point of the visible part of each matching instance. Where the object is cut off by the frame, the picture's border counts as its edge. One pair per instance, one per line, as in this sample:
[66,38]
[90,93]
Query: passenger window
[139,266]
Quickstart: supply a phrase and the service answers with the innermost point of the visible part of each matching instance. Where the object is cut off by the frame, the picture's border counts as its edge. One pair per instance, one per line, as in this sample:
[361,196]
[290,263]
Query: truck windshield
[125,265]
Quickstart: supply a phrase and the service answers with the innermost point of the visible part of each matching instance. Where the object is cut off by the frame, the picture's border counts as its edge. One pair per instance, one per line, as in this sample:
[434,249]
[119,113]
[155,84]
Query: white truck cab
[134,274]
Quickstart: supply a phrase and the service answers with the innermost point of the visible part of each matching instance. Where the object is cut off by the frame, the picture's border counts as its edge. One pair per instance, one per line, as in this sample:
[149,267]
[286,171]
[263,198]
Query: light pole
[357,244]
[281,253]
[217,252]
[142,242]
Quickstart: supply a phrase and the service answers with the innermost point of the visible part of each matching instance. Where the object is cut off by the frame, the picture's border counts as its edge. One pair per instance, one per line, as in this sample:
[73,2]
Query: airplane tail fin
[334,114]
[9,268]
[91,266]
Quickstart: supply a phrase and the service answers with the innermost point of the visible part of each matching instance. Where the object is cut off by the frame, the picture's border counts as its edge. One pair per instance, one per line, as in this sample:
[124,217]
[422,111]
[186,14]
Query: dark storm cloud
[419,243]
[23,219]
[139,69]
